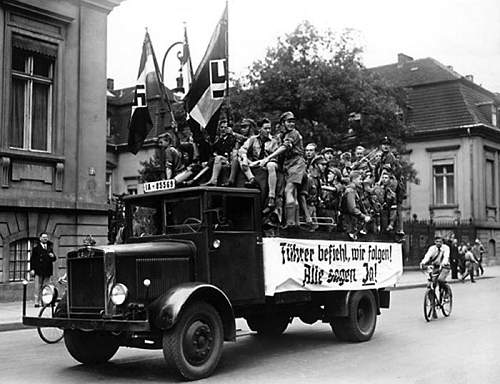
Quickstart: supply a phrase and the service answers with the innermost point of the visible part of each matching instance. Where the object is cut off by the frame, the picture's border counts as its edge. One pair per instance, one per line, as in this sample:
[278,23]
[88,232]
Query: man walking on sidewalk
[42,257]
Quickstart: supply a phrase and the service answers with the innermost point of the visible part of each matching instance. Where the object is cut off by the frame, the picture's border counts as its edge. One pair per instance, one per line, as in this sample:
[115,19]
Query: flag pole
[163,94]
[228,104]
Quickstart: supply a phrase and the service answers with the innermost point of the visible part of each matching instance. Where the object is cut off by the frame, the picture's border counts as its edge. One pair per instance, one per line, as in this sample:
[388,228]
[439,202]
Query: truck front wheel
[90,347]
[194,345]
[273,325]
[360,324]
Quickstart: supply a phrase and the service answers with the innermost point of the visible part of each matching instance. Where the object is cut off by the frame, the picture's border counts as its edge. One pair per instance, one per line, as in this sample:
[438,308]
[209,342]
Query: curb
[13,327]
[424,284]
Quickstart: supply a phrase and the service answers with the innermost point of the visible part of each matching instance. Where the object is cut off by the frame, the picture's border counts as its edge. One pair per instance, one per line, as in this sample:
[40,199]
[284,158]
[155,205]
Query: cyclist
[438,256]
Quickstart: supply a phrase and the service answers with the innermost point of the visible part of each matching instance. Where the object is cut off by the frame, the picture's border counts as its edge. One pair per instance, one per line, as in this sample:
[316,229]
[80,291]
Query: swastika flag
[148,85]
[209,86]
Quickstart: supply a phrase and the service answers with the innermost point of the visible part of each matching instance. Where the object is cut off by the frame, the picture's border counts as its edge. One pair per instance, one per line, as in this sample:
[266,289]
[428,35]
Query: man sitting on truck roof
[255,148]
[222,151]
[294,167]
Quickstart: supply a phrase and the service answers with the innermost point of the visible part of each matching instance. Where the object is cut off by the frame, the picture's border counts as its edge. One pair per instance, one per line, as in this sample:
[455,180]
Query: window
[444,184]
[132,189]
[20,253]
[31,99]
[490,183]
[235,212]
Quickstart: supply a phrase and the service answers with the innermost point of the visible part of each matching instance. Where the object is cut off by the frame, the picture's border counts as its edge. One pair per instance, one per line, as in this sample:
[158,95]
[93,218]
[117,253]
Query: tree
[320,77]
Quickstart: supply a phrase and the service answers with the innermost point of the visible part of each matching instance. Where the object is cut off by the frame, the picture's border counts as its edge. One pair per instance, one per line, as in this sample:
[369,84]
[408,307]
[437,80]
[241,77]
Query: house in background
[455,148]
[52,136]
[122,166]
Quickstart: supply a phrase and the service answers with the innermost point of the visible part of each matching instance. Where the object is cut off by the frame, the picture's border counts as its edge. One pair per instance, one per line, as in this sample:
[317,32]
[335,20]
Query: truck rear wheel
[272,325]
[194,345]
[360,324]
[90,347]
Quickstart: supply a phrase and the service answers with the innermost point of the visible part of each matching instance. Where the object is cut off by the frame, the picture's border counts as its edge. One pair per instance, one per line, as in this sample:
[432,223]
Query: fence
[420,235]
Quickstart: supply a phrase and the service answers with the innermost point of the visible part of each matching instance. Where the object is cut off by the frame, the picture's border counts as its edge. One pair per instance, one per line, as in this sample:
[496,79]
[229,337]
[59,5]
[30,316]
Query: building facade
[52,136]
[455,148]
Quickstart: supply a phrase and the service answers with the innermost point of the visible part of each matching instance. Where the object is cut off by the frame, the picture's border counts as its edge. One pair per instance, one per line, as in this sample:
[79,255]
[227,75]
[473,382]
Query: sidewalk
[11,313]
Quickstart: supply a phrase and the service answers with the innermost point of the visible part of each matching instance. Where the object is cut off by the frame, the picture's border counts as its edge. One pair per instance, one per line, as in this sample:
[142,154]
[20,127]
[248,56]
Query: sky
[462,33]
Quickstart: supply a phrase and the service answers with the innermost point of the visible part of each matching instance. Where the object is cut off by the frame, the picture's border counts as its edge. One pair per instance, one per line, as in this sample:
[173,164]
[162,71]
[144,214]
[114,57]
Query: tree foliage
[319,76]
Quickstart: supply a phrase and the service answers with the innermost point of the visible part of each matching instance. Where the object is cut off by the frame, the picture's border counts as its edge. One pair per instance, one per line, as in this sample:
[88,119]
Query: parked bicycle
[50,298]
[437,296]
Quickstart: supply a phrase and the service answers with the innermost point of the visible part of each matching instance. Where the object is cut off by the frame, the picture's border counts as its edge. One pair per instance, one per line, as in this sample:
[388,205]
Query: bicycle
[435,298]
[51,335]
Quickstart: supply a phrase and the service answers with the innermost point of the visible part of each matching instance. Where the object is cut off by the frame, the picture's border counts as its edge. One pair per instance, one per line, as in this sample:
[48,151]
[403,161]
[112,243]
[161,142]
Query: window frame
[48,28]
[31,242]
[29,79]
[444,176]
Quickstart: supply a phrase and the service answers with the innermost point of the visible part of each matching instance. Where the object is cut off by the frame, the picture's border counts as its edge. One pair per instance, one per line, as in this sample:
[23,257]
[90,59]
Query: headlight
[119,294]
[49,294]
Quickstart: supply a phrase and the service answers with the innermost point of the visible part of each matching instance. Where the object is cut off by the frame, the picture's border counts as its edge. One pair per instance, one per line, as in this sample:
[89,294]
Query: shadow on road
[249,351]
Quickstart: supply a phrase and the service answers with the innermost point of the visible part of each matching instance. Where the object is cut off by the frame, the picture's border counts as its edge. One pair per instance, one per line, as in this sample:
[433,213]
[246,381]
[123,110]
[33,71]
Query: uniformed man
[354,214]
[294,166]
[222,150]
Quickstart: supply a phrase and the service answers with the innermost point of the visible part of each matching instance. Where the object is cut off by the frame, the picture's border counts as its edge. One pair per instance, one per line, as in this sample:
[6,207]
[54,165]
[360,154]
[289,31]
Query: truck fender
[164,311]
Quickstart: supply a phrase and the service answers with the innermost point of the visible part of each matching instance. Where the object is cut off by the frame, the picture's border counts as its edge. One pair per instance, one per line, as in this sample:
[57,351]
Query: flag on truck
[148,86]
[186,64]
[210,81]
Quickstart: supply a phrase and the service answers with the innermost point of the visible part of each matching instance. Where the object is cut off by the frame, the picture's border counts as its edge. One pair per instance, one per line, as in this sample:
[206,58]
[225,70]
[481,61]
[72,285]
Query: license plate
[161,185]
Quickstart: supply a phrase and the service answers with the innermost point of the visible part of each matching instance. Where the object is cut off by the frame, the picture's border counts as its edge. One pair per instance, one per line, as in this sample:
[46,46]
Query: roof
[416,72]
[437,97]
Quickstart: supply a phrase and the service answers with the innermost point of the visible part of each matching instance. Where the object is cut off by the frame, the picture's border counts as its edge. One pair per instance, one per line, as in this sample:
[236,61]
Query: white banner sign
[321,265]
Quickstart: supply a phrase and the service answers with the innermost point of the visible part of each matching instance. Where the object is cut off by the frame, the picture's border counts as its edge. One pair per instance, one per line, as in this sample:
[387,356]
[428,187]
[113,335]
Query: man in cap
[294,166]
[252,151]
[354,214]
[247,129]
[329,155]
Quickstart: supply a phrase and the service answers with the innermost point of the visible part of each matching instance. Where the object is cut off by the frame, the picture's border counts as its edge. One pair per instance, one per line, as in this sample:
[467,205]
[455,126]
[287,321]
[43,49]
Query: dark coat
[42,259]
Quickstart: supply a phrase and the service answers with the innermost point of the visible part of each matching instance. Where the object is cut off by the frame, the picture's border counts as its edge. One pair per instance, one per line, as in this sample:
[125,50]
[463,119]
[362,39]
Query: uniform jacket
[42,259]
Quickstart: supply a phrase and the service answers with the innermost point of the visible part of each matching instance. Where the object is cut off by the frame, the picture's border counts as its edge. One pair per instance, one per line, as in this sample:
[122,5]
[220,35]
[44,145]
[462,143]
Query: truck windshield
[146,219]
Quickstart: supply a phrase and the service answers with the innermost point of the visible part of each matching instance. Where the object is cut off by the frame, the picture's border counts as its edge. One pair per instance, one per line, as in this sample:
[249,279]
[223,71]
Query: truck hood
[156,248]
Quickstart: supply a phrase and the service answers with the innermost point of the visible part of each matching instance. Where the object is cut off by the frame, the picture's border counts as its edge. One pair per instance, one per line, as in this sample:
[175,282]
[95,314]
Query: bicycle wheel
[50,335]
[429,303]
[446,300]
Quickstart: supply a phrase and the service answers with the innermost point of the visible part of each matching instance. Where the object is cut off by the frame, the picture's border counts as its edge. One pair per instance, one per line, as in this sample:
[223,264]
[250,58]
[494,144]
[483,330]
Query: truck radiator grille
[164,274]
[86,284]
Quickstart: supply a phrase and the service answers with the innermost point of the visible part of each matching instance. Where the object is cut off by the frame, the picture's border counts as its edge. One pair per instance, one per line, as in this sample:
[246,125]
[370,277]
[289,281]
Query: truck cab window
[235,212]
[183,215]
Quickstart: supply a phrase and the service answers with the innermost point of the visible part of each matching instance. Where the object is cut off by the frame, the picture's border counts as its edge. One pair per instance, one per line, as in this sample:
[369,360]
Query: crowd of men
[325,189]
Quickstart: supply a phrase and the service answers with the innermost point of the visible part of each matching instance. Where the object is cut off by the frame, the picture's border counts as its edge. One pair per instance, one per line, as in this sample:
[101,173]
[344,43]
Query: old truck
[195,259]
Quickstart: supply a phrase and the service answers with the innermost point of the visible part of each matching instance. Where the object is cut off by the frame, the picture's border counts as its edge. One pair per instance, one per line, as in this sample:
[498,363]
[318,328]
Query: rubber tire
[90,347]
[173,341]
[445,312]
[429,304]
[270,326]
[47,336]
[361,322]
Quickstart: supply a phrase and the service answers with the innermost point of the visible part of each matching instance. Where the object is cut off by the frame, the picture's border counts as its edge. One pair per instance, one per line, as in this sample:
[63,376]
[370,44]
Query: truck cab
[194,259]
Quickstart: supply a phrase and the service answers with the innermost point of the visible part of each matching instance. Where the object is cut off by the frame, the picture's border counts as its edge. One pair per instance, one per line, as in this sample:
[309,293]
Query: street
[463,348]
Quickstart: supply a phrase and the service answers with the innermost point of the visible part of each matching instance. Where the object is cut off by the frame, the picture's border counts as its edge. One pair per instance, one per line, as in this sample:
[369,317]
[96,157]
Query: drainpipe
[471,164]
